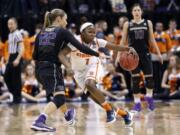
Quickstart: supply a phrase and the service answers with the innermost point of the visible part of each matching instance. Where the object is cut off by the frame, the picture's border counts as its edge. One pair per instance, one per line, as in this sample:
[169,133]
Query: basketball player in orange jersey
[88,71]
[139,33]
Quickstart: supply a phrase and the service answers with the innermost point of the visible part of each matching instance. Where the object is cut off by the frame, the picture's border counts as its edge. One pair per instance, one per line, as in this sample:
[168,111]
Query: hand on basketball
[160,58]
[132,51]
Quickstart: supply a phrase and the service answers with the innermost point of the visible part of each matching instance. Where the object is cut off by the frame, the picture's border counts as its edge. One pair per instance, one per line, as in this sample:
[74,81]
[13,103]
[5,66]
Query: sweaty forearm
[83,48]
[117,47]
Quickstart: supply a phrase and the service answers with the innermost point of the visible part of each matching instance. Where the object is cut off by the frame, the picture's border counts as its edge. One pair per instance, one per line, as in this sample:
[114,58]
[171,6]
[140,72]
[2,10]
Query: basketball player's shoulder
[149,23]
[100,42]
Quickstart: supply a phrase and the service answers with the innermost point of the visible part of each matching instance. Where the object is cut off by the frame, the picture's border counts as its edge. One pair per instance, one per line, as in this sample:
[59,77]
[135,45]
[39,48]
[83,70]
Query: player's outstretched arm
[112,46]
[69,38]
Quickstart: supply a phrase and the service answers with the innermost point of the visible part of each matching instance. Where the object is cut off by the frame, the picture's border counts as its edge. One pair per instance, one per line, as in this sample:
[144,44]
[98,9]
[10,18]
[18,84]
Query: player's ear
[58,19]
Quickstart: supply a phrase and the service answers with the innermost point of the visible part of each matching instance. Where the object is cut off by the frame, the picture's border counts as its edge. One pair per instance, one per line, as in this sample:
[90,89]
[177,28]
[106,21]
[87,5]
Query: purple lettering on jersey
[47,39]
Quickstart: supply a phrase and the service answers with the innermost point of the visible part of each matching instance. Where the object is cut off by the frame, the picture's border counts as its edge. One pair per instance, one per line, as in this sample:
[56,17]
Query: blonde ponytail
[51,16]
[47,21]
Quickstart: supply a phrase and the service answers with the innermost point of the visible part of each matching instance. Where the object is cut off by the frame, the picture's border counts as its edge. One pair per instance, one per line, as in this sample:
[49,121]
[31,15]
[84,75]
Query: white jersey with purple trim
[86,66]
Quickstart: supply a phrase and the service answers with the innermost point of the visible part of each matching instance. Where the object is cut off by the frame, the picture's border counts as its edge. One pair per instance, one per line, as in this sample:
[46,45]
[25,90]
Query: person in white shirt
[88,70]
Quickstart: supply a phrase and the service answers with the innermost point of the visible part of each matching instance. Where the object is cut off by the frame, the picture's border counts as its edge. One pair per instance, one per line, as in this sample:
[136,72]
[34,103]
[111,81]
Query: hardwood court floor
[165,120]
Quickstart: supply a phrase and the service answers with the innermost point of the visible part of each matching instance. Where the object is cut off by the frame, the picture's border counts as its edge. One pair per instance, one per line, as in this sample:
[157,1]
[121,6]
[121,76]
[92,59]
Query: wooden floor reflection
[165,120]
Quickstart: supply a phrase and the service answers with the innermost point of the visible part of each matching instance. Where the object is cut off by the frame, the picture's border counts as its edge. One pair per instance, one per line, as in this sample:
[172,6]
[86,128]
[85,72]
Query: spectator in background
[83,19]
[171,80]
[101,29]
[164,45]
[10,8]
[114,82]
[38,28]
[148,5]
[118,6]
[73,29]
[117,31]
[71,88]
[173,33]
[121,21]
[117,35]
[2,47]
[88,6]
[5,95]
[31,90]
[13,69]
[30,7]
[110,38]
[27,56]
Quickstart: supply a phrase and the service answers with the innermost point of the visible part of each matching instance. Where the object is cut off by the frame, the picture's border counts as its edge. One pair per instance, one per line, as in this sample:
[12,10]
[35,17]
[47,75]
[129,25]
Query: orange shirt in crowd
[28,47]
[2,46]
[174,37]
[163,42]
[6,54]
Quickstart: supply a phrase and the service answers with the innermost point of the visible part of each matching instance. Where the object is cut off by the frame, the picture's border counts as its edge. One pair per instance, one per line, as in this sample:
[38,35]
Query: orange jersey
[163,42]
[174,37]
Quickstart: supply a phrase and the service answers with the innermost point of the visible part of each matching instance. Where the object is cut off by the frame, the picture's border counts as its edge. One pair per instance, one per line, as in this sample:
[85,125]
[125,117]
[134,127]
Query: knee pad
[59,100]
[149,82]
[136,80]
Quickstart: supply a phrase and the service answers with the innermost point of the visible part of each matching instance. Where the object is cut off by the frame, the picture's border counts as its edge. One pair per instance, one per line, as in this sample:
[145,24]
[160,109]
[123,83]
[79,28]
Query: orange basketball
[128,61]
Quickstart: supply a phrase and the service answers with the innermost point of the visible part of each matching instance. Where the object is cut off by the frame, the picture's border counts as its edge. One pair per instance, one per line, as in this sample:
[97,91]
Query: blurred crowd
[116,83]
[37,7]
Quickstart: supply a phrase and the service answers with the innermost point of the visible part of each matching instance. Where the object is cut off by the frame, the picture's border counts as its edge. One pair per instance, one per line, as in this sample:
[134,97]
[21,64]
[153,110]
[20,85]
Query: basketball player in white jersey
[88,70]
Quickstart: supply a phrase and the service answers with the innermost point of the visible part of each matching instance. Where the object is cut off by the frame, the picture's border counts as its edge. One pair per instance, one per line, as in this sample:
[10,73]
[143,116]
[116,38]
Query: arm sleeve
[69,38]
[71,47]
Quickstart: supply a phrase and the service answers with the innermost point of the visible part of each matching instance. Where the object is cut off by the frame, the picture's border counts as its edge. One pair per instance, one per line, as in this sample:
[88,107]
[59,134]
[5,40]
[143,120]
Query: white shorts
[93,71]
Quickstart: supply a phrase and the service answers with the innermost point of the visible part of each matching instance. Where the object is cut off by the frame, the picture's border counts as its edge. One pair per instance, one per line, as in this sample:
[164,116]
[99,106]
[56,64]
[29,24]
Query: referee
[13,69]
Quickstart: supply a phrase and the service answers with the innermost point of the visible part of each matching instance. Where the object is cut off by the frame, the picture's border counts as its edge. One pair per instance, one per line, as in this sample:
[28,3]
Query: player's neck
[83,40]
[137,20]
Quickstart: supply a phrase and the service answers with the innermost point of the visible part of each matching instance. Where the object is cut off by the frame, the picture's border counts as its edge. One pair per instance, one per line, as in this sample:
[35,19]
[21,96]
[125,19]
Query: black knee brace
[136,80]
[59,100]
[149,82]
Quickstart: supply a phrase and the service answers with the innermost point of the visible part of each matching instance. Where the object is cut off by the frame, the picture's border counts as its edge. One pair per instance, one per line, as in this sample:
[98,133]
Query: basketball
[128,61]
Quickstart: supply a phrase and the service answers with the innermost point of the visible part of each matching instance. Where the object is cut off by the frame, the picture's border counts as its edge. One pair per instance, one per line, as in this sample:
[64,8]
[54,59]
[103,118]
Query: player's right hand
[132,51]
